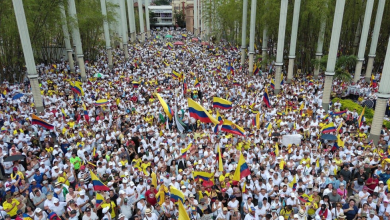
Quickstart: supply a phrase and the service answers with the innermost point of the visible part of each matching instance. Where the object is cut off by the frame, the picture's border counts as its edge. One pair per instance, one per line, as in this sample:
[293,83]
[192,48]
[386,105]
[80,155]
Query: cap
[148,211]
[225,209]
[88,209]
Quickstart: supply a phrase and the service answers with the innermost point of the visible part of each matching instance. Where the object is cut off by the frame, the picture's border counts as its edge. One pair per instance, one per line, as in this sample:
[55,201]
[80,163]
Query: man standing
[150,195]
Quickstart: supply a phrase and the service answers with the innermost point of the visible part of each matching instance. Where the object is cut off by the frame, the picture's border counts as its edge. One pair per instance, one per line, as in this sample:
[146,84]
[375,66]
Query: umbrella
[205,43]
[168,36]
[14,158]
[17,96]
[98,75]
[368,103]
[195,39]
[178,43]
[329,137]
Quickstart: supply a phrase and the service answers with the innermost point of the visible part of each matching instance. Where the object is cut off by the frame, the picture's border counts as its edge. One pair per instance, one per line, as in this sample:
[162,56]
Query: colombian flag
[361,117]
[184,36]
[101,102]
[39,121]
[176,194]
[136,84]
[219,118]
[221,103]
[86,115]
[326,118]
[97,184]
[293,184]
[175,74]
[328,128]
[282,80]
[266,98]
[242,169]
[219,158]
[162,192]
[197,83]
[184,151]
[99,200]
[272,84]
[255,69]
[256,121]
[168,111]
[203,176]
[301,108]
[185,86]
[77,88]
[198,112]
[230,127]
[235,83]
[169,45]
[340,113]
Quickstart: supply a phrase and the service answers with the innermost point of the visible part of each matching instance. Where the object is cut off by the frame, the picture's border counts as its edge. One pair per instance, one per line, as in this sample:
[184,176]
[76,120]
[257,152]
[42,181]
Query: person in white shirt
[149,215]
[89,214]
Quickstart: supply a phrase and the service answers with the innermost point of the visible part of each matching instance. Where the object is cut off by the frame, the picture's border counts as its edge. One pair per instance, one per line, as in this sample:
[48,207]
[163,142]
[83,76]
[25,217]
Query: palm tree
[343,63]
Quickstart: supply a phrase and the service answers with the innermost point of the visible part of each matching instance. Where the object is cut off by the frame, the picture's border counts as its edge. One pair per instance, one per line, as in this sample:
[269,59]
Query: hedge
[351,105]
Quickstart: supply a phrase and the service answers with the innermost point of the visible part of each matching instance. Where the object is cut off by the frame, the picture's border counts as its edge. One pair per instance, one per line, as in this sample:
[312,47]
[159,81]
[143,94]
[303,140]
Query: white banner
[291,139]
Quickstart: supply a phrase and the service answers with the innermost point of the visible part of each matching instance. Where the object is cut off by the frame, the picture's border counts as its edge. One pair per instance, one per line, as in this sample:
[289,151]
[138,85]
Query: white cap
[121,192]
[131,183]
[82,193]
[55,200]
[55,167]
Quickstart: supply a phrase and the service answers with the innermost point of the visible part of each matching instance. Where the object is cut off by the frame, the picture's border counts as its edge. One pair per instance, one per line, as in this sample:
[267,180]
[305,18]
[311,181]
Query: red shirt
[151,197]
[374,183]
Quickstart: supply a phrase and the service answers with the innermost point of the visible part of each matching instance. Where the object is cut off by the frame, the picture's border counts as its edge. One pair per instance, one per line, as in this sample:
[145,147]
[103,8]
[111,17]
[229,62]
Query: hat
[372,212]
[380,182]
[183,187]
[38,210]
[232,197]
[131,183]
[292,195]
[223,190]
[121,215]
[88,209]
[55,200]
[121,192]
[301,213]
[252,209]
[105,210]
[148,211]
[82,193]
[15,169]
[364,215]
[225,209]
[191,195]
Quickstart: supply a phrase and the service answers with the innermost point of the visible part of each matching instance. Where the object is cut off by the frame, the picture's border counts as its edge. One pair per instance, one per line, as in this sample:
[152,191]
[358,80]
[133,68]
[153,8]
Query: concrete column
[130,11]
[125,38]
[147,17]
[68,46]
[363,39]
[196,27]
[332,56]
[141,20]
[280,49]
[28,54]
[251,36]
[264,48]
[77,40]
[320,44]
[374,40]
[383,96]
[243,36]
[106,33]
[293,43]
[119,24]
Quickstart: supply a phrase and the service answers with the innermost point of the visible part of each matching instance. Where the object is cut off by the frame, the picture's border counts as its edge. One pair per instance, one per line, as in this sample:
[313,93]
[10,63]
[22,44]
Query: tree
[180,18]
[152,19]
[162,2]
[343,64]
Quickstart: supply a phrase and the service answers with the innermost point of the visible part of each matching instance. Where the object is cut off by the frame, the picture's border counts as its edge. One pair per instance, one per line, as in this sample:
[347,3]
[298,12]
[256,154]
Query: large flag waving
[198,112]
[183,215]
[221,103]
[166,108]
[242,169]
[176,194]
[160,196]
[230,127]
[39,121]
[328,128]
[97,184]
[266,98]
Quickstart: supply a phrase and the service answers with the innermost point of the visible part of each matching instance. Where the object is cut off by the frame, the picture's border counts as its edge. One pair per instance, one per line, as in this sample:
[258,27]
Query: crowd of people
[114,153]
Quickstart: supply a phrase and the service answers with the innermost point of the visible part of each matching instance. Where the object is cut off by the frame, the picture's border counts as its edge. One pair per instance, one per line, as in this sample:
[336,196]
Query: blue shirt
[38,178]
[351,213]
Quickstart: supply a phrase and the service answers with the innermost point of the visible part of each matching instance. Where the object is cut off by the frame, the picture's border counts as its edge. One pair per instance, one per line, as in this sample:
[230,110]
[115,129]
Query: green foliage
[46,35]
[341,67]
[152,15]
[351,105]
[180,18]
[162,2]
